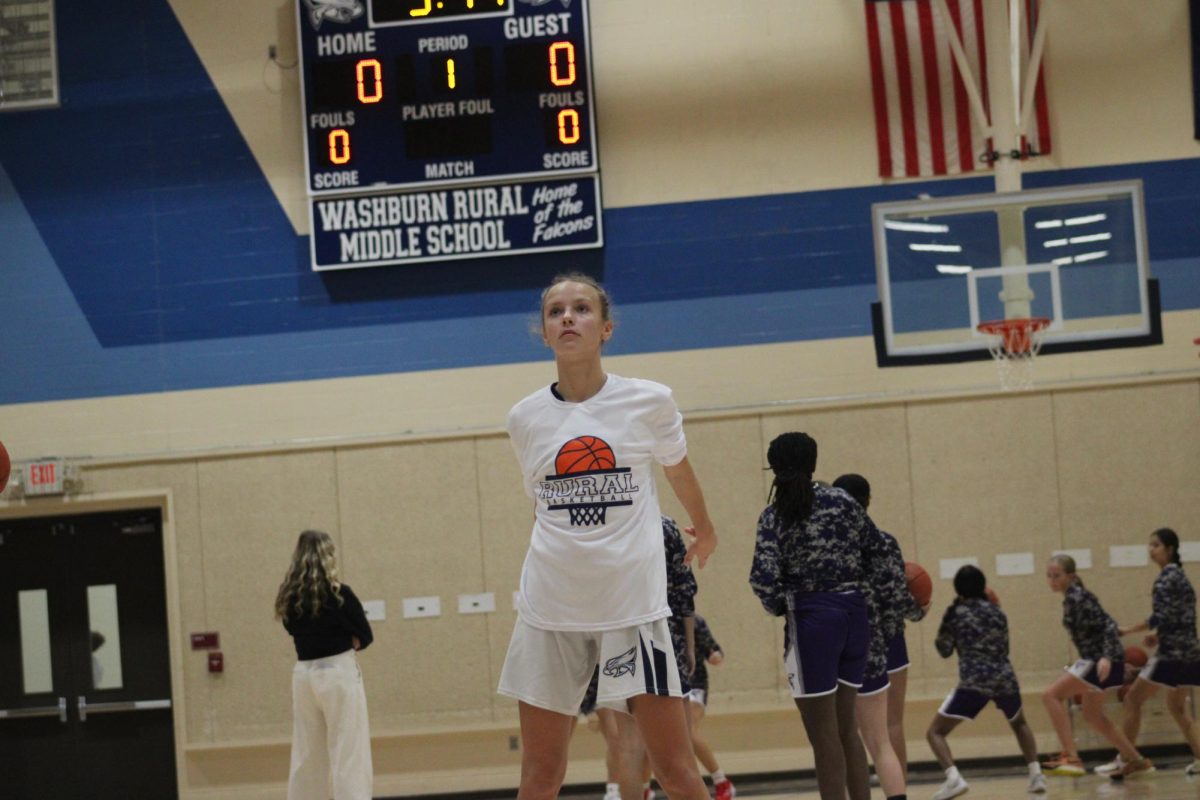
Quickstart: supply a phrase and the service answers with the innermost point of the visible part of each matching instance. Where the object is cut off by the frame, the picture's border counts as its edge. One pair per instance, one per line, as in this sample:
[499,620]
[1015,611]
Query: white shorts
[552,669]
[699,697]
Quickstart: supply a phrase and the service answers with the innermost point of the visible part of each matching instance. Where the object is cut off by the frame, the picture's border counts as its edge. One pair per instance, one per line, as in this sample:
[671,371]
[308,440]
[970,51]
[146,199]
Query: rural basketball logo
[587,481]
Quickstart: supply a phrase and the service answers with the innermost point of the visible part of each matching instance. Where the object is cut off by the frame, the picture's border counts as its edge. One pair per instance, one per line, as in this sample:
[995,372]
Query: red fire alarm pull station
[216,662]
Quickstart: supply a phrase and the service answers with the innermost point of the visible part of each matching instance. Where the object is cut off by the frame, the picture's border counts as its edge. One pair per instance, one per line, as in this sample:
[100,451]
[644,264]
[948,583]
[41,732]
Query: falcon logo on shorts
[587,481]
[624,664]
[333,10]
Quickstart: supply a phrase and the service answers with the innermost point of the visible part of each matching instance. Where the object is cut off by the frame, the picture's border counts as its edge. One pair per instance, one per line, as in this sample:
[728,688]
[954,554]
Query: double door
[85,689]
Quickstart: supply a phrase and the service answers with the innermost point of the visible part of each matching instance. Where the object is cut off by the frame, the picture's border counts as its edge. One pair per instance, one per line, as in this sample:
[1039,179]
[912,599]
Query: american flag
[923,120]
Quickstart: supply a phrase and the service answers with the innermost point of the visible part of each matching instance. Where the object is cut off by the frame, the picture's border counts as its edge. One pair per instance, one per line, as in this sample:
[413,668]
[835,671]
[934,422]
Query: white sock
[1035,768]
[612,789]
[952,774]
[718,777]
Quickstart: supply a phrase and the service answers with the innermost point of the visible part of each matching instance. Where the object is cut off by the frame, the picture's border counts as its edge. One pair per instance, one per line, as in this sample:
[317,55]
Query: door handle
[86,708]
[59,711]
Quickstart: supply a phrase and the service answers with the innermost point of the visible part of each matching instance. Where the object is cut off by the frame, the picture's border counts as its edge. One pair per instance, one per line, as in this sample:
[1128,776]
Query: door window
[104,636]
[34,614]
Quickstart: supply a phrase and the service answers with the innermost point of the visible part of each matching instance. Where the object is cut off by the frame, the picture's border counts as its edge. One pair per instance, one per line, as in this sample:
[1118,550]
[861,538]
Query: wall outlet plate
[476,603]
[422,607]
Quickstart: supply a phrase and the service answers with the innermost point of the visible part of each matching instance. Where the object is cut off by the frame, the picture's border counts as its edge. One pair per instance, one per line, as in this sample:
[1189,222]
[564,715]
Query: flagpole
[1002,27]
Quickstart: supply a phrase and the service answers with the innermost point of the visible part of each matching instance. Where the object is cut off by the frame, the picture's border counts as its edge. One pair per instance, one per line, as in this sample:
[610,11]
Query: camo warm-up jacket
[978,630]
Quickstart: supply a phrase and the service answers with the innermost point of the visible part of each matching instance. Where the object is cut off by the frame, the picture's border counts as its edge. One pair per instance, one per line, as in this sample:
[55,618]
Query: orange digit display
[376,80]
[339,146]
[450,81]
[568,126]
[569,50]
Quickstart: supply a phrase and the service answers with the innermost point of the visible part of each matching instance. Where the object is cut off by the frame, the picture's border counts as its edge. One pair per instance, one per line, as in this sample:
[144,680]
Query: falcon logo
[333,10]
[624,664]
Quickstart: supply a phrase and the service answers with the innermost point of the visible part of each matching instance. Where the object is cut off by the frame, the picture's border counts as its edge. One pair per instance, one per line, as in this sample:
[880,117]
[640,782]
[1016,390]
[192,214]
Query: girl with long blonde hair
[331,740]
[1101,666]
[594,583]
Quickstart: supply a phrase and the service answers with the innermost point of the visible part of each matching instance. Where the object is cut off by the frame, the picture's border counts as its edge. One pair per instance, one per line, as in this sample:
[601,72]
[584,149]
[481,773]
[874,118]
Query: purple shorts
[1171,673]
[1085,670]
[967,703]
[874,685]
[897,661]
[827,635]
[897,653]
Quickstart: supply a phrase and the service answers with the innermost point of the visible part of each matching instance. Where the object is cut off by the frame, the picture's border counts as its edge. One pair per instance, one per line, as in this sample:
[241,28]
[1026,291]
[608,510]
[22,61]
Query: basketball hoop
[1015,343]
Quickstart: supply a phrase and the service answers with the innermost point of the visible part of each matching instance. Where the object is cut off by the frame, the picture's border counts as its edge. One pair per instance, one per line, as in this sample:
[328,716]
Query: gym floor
[1168,783]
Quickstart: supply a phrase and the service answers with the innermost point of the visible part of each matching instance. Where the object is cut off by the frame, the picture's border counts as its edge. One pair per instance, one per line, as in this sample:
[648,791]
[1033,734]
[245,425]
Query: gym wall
[161,324]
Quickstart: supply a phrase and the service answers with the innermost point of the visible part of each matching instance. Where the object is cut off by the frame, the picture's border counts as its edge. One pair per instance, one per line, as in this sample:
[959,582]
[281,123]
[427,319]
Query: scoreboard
[441,129]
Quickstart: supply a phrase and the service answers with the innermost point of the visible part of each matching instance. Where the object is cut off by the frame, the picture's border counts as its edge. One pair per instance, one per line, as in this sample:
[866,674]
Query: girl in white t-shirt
[593,586]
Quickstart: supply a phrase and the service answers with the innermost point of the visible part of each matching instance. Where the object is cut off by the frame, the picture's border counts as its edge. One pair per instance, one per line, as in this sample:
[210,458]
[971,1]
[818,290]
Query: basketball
[5,467]
[584,453]
[1135,656]
[992,597]
[920,585]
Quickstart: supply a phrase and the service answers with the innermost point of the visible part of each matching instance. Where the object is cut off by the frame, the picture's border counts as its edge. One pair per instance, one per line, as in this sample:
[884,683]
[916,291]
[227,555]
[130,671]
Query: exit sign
[44,477]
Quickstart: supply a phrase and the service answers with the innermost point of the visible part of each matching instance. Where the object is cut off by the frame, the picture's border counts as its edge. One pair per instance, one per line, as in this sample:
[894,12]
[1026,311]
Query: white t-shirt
[581,461]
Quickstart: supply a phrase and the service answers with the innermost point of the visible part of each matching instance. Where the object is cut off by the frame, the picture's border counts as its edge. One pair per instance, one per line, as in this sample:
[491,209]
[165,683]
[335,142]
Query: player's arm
[945,640]
[765,576]
[687,488]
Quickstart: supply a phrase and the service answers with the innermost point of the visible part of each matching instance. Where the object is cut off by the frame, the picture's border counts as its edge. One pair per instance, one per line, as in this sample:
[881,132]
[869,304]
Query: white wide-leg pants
[331,741]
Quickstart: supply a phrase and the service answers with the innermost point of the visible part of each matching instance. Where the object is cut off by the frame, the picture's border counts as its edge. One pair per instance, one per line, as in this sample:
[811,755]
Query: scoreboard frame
[356,28]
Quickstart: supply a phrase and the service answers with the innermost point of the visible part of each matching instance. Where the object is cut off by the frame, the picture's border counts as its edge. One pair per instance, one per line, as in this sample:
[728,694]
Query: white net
[1014,344]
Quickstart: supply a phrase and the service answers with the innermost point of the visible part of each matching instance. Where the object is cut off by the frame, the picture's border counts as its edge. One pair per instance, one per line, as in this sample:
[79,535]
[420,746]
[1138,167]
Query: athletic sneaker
[724,790]
[1113,766]
[1193,768]
[953,787]
[1063,764]
[612,794]
[648,794]
[1037,784]
[1134,769]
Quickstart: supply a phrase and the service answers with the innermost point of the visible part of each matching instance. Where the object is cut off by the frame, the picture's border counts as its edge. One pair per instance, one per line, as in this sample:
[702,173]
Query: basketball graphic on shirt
[584,454]
[587,481]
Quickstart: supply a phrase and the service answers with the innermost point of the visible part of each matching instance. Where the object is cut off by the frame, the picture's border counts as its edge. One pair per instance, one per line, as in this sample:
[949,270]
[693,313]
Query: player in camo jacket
[1101,666]
[812,554]
[978,630]
[888,601]
[1176,664]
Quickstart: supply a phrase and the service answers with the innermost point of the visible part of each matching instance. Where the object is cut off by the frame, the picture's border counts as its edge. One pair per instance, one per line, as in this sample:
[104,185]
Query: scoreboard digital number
[438,129]
[401,93]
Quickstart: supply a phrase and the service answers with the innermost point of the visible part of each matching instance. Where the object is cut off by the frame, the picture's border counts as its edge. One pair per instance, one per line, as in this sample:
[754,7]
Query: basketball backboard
[1074,255]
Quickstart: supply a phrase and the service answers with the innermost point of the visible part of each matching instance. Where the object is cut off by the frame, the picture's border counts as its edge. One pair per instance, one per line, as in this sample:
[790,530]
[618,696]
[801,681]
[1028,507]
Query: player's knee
[678,776]
[542,774]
